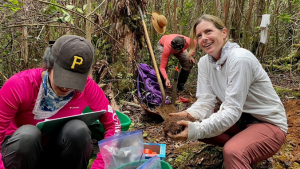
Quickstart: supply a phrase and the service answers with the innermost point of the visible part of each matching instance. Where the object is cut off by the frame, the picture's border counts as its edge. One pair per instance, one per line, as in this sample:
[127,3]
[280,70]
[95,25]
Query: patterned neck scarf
[48,103]
[226,49]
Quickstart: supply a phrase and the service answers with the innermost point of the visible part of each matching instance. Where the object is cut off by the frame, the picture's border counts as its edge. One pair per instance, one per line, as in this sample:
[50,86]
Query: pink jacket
[18,97]
[165,41]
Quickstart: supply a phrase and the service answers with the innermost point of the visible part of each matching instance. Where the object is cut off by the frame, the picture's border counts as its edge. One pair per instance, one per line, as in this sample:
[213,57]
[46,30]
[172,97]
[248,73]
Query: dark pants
[182,78]
[70,148]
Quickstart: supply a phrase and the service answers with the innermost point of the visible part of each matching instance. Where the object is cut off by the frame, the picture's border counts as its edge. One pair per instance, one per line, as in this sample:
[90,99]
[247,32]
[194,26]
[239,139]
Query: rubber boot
[163,81]
[183,76]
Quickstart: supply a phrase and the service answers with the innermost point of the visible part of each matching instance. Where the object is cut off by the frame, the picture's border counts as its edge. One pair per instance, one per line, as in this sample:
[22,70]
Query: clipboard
[50,126]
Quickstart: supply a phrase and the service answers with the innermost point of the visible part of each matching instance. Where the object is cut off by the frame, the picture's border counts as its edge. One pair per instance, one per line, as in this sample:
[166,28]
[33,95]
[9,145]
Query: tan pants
[255,143]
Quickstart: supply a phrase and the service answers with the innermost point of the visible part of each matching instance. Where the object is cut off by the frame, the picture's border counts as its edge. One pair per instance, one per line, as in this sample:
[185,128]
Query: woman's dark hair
[48,59]
[178,43]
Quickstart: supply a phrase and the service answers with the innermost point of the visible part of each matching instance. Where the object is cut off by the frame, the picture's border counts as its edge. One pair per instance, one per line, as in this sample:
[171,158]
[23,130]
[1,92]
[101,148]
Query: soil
[170,125]
[194,154]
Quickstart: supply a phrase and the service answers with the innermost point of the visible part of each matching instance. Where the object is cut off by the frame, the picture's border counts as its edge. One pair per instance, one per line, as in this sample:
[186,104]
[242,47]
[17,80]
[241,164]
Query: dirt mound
[170,124]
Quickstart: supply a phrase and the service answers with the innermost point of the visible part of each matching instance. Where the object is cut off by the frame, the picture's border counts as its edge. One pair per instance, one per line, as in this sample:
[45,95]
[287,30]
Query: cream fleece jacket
[242,85]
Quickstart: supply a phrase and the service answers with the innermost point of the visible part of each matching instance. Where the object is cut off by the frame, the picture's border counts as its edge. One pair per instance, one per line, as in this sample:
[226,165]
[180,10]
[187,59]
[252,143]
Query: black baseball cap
[73,57]
[178,43]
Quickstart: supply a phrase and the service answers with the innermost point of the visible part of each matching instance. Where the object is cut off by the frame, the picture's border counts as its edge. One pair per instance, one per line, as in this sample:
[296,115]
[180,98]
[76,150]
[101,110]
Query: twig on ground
[131,104]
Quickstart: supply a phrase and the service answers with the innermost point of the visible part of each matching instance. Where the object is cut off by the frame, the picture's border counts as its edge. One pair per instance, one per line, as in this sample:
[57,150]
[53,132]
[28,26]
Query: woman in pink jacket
[61,89]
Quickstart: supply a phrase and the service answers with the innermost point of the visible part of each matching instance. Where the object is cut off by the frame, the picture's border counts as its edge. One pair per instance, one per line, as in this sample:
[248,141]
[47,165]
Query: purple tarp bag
[147,79]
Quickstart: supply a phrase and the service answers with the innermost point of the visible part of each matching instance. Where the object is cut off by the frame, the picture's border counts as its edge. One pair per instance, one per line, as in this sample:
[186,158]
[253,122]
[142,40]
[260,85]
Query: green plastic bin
[164,165]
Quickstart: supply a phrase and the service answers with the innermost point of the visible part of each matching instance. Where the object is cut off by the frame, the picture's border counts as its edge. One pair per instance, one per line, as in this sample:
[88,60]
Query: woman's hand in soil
[182,114]
[184,134]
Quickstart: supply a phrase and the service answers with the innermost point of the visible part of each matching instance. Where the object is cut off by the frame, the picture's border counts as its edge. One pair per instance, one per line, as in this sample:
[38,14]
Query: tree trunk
[247,26]
[24,47]
[169,10]
[175,16]
[125,31]
[182,13]
[225,10]
[24,40]
[272,20]
[277,53]
[259,46]
[236,17]
[200,3]
[88,27]
[153,32]
[216,7]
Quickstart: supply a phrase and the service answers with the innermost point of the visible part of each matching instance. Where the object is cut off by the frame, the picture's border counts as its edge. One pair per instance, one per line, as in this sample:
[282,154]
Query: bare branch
[95,9]
[3,76]
[21,25]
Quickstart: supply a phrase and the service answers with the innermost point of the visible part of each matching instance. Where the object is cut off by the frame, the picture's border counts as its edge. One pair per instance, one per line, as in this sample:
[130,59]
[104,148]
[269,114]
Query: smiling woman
[251,123]
[211,39]
[214,29]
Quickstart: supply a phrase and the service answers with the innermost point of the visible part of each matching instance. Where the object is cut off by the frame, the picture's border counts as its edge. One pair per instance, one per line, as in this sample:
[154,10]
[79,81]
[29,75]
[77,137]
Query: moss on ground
[198,155]
[284,92]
